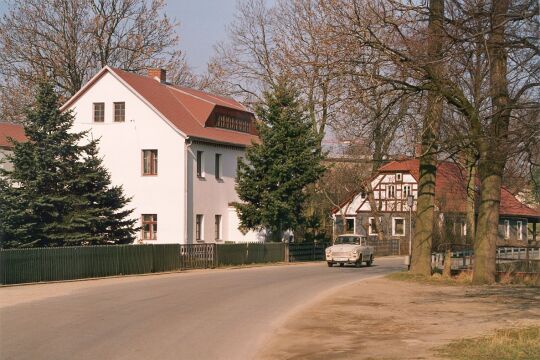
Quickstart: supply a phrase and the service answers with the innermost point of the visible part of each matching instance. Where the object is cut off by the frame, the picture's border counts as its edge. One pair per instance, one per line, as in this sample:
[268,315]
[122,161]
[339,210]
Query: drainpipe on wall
[187,150]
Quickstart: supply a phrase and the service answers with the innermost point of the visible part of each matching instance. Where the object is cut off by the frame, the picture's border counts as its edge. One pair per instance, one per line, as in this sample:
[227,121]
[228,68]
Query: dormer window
[235,123]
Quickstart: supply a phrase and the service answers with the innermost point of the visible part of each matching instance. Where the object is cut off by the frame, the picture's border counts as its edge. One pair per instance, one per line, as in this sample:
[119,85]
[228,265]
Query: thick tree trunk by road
[423,235]
[493,151]
[471,199]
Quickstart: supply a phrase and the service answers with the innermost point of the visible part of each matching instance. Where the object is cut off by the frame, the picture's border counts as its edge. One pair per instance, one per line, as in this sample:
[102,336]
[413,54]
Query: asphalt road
[213,314]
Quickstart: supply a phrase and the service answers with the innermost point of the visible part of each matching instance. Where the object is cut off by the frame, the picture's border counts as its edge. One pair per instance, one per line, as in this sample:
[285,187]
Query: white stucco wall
[209,196]
[4,164]
[121,145]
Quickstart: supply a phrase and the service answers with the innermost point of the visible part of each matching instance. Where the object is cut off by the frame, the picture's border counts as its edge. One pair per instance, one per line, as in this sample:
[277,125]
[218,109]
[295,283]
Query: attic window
[398,177]
[232,123]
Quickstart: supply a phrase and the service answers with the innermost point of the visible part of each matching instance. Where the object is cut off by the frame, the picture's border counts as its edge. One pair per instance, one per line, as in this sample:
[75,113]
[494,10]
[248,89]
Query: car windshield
[348,240]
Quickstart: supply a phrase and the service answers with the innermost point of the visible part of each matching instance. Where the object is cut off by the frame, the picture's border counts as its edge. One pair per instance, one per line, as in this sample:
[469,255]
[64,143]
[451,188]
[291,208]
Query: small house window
[218,227]
[150,162]
[398,226]
[398,177]
[99,112]
[372,226]
[349,226]
[218,166]
[200,165]
[149,226]
[506,229]
[119,111]
[391,191]
[406,191]
[199,227]
[520,230]
[363,195]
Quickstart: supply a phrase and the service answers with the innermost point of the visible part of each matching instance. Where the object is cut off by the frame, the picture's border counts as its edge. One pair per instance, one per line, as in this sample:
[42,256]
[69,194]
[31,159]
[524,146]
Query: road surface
[210,314]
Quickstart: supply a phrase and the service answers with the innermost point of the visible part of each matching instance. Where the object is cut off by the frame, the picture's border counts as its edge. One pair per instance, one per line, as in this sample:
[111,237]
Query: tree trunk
[487,228]
[471,199]
[447,269]
[423,235]
[493,152]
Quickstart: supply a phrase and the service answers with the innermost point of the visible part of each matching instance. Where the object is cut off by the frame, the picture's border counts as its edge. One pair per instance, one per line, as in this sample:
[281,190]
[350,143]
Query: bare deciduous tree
[68,41]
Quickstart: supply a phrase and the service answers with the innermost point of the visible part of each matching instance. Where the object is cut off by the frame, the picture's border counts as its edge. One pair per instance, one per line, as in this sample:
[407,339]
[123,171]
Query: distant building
[398,179]
[173,149]
[7,131]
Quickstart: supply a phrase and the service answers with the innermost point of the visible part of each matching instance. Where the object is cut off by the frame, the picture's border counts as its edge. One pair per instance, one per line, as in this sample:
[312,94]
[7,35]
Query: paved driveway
[213,314]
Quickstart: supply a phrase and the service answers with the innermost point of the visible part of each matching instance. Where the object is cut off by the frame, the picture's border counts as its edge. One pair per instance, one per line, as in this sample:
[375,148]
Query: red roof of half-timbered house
[451,188]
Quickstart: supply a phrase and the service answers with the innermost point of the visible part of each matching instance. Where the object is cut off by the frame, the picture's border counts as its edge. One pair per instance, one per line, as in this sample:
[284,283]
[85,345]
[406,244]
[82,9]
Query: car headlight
[355,252]
[328,251]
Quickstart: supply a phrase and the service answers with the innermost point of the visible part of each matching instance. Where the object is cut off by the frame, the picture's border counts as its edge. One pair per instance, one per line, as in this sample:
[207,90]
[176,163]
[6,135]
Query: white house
[173,149]
[9,131]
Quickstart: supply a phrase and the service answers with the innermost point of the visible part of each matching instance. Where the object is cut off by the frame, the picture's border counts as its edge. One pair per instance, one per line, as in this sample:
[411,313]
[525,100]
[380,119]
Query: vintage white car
[349,249]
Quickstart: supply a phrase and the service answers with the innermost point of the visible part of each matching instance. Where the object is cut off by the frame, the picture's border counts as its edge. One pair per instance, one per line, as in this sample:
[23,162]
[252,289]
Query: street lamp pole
[410,202]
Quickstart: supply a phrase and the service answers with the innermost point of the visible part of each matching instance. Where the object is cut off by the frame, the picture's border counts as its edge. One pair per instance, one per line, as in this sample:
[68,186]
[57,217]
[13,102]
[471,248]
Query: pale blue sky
[202,24]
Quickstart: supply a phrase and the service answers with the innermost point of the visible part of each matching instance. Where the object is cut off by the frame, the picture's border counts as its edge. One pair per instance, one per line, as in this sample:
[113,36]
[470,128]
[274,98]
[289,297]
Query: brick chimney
[158,74]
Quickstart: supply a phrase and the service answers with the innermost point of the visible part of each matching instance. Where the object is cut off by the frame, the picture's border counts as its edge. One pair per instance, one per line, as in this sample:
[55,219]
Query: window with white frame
[399,177]
[398,226]
[506,229]
[217,224]
[372,228]
[520,230]
[199,227]
[406,191]
[350,225]
[218,166]
[200,164]
[390,191]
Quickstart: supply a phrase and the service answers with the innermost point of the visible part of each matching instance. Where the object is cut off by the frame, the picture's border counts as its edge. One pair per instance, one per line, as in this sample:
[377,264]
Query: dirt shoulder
[388,319]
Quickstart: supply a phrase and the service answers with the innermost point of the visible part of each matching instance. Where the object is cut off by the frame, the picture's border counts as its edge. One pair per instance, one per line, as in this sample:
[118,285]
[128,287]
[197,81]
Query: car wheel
[359,262]
[330,264]
[370,261]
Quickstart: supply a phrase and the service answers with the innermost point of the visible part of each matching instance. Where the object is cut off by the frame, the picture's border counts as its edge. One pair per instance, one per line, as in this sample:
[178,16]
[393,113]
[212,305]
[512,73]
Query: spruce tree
[58,192]
[271,182]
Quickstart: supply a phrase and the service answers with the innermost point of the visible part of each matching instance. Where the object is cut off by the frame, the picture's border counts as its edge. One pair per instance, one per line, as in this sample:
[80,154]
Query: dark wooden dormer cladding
[231,119]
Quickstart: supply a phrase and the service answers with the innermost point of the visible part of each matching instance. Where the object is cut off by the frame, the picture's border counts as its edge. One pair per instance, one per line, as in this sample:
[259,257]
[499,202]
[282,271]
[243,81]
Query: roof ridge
[185,107]
[185,92]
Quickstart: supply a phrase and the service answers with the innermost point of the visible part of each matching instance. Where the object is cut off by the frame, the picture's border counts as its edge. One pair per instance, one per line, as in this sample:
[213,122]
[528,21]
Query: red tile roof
[8,130]
[187,109]
[450,188]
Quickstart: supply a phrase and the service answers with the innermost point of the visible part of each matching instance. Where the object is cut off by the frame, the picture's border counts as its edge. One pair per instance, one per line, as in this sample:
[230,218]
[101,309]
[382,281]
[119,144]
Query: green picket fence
[249,253]
[79,262]
[19,266]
